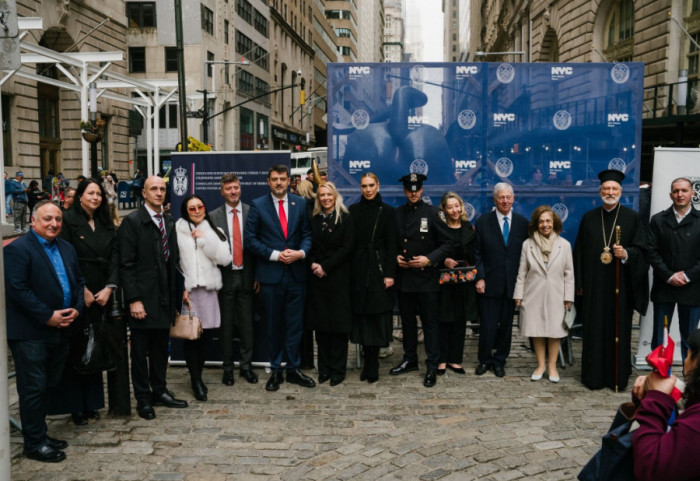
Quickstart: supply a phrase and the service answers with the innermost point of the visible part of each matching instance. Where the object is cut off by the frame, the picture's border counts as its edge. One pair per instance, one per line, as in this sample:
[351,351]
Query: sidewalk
[466,427]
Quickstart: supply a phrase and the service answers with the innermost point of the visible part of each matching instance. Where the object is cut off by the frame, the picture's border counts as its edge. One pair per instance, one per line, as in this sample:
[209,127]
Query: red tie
[283,218]
[237,244]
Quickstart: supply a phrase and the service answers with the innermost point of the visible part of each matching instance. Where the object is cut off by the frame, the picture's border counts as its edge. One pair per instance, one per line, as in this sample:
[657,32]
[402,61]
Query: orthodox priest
[600,250]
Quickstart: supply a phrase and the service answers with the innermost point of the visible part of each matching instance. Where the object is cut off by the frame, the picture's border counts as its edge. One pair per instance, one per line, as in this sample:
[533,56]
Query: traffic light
[302,93]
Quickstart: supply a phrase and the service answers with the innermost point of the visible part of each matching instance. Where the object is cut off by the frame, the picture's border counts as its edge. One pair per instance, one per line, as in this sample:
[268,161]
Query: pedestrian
[19,202]
[203,247]
[8,196]
[373,267]
[598,257]
[458,300]
[544,289]
[34,195]
[328,309]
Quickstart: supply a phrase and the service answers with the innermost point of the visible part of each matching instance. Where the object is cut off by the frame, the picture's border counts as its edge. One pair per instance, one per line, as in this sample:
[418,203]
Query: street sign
[9,36]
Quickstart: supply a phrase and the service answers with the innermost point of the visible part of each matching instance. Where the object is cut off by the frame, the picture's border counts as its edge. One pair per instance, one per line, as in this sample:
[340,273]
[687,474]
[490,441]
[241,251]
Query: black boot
[198,389]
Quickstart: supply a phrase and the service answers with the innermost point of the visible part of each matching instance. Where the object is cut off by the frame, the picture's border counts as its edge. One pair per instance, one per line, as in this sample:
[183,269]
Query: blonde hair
[443,205]
[306,189]
[338,201]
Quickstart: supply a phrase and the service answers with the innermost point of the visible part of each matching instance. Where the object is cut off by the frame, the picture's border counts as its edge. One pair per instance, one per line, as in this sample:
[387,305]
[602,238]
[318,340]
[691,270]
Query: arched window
[550,47]
[619,31]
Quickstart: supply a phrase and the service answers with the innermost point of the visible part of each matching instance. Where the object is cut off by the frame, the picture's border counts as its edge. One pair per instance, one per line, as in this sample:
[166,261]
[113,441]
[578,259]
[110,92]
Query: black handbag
[102,350]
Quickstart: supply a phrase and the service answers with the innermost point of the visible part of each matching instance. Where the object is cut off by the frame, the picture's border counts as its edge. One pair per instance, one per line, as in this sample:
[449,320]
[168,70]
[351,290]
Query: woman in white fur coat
[545,288]
[202,248]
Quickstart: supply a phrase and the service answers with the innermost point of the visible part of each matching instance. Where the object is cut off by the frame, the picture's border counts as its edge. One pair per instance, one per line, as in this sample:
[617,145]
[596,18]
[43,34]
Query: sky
[432,26]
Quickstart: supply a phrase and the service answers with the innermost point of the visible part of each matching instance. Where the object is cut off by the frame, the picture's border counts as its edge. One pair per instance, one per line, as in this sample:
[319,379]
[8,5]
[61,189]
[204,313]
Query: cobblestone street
[466,427]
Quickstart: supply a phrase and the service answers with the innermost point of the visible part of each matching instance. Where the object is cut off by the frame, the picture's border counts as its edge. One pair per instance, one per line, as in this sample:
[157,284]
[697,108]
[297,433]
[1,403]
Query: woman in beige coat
[545,288]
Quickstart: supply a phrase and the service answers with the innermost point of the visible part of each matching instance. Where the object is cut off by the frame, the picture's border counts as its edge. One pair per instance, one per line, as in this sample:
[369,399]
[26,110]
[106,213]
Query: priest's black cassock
[597,280]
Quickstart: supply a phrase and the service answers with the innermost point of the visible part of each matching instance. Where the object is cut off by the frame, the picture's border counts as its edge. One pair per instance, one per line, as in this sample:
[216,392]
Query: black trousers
[149,362]
[496,330]
[452,341]
[196,354]
[332,353]
[411,304]
[236,304]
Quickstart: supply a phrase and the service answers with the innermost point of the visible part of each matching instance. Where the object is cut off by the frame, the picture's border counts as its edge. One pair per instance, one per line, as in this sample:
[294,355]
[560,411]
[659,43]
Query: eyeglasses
[195,208]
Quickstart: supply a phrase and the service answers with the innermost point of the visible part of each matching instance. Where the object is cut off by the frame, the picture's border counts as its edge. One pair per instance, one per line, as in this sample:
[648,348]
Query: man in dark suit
[423,246]
[236,295]
[44,295]
[277,232]
[148,261]
[674,254]
[499,239]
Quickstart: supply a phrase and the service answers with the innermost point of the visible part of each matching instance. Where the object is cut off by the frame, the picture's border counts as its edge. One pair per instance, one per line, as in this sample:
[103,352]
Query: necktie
[283,218]
[506,230]
[237,245]
[163,236]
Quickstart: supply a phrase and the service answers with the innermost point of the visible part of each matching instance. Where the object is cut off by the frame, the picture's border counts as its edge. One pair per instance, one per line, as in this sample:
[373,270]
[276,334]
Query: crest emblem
[360,119]
[180,182]
[505,73]
[470,211]
[466,119]
[417,73]
[620,73]
[617,164]
[418,166]
[561,210]
[695,185]
[562,120]
[504,167]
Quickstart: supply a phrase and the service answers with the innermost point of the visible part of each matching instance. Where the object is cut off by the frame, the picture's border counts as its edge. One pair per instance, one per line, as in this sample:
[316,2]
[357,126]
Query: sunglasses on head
[195,208]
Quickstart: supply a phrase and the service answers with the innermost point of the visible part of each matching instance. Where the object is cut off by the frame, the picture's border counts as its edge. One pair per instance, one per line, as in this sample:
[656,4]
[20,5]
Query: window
[247,133]
[261,87]
[6,130]
[207,20]
[343,32]
[245,82]
[243,43]
[260,23]
[619,32]
[137,59]
[171,59]
[260,57]
[210,58]
[141,14]
[245,10]
[226,26]
[167,118]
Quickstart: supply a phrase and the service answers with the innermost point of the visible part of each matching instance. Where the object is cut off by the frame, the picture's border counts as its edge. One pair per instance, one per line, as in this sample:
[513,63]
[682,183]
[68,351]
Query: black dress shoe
[430,378]
[299,378]
[93,414]
[249,376]
[168,400]
[198,390]
[79,418]
[56,443]
[145,410]
[273,384]
[404,367]
[372,379]
[336,381]
[499,371]
[323,377]
[227,378]
[458,370]
[481,369]
[363,373]
[46,454]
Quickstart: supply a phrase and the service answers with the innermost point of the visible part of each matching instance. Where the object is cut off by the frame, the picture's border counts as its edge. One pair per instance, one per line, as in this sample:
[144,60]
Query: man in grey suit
[236,295]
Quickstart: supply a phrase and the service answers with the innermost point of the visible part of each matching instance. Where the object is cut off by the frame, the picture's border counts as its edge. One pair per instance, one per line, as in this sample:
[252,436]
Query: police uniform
[420,233]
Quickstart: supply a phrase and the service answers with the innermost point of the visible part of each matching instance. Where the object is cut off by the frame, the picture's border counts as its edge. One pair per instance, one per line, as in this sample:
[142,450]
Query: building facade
[393,43]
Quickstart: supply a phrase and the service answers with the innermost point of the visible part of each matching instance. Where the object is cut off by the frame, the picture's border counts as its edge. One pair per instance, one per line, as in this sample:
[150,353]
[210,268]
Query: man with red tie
[277,232]
[236,295]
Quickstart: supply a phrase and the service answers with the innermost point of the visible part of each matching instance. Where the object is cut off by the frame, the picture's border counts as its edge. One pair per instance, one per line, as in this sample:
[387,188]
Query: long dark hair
[102,212]
[185,214]
[692,387]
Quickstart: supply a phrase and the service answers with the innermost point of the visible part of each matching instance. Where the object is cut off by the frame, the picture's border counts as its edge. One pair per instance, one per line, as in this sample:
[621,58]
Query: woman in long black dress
[90,230]
[457,301]
[373,274]
[328,301]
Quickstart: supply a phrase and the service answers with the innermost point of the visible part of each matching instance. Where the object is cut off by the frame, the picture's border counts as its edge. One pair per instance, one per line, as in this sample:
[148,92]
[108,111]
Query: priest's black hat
[413,181]
[611,174]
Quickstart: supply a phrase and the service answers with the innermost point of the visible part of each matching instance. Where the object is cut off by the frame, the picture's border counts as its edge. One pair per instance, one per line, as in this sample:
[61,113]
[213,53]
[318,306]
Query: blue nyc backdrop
[545,128]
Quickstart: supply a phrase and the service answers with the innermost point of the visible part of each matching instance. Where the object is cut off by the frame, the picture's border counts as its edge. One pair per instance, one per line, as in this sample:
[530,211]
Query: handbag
[614,459]
[103,348]
[187,326]
[569,317]
[457,275]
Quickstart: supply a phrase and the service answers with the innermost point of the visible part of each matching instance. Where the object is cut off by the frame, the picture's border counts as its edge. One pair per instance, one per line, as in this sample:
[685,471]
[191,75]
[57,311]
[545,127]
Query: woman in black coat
[373,274]
[88,227]
[328,301]
[457,301]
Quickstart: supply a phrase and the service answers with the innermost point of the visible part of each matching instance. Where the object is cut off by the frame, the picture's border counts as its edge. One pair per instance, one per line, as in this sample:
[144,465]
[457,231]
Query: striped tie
[163,237]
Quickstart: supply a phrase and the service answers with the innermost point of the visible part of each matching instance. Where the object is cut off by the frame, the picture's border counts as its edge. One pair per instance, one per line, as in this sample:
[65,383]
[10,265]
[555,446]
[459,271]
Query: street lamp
[205,107]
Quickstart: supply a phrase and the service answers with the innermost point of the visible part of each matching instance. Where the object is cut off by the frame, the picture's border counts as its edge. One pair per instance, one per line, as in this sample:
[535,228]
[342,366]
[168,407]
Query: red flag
[661,359]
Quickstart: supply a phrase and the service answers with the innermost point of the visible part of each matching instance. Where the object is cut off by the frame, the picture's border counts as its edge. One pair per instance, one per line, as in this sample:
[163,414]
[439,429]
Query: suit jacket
[145,275]
[263,234]
[32,288]
[675,247]
[220,219]
[496,262]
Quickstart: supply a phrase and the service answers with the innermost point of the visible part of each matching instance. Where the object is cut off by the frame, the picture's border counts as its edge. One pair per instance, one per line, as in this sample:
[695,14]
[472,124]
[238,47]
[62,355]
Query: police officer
[423,245]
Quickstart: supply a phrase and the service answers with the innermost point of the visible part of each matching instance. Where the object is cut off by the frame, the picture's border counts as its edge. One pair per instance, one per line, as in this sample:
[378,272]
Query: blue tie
[506,230]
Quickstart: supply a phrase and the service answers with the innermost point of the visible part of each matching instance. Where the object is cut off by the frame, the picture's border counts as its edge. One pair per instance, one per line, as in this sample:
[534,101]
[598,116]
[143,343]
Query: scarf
[545,244]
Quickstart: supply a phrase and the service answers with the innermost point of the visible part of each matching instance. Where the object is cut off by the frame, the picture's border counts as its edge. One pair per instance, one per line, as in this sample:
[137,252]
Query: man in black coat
[148,260]
[674,254]
[423,245]
[499,239]
[236,295]
[43,295]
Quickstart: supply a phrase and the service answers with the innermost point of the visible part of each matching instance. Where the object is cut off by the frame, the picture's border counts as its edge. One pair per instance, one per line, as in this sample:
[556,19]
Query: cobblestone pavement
[466,427]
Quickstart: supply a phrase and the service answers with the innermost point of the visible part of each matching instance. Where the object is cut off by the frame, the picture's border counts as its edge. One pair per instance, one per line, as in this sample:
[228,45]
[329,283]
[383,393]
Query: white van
[301,161]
